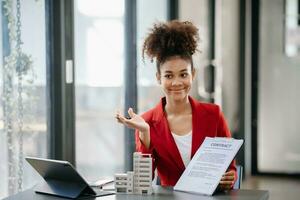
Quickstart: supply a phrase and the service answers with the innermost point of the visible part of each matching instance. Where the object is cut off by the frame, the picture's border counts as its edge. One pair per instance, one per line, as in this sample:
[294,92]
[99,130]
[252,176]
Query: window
[99,63]
[148,12]
[29,107]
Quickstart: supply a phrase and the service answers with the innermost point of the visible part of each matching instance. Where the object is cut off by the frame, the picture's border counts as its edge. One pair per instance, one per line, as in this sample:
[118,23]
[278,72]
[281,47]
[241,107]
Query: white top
[184,145]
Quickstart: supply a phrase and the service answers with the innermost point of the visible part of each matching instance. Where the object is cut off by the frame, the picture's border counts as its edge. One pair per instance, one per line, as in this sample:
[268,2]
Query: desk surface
[160,193]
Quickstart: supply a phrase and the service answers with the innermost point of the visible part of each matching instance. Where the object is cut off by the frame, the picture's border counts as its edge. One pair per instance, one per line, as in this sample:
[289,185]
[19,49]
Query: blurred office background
[68,66]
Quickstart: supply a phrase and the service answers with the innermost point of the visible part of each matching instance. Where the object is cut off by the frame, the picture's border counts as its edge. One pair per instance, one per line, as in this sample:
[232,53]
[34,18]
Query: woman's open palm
[135,121]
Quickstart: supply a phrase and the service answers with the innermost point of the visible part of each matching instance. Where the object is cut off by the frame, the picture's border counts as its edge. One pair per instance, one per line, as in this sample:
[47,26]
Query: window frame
[61,95]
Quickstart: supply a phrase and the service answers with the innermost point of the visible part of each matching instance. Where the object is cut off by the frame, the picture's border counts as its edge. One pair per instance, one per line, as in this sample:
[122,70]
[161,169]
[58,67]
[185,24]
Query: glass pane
[278,97]
[148,13]
[27,110]
[99,61]
[292,28]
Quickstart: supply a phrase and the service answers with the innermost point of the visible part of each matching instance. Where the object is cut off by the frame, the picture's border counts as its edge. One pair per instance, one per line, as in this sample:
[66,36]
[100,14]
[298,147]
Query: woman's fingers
[225,187]
[131,113]
[227,180]
[120,117]
[229,173]
[126,122]
[228,176]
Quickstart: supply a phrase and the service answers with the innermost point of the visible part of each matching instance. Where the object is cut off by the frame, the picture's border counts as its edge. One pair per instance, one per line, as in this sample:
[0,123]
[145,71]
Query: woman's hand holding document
[210,162]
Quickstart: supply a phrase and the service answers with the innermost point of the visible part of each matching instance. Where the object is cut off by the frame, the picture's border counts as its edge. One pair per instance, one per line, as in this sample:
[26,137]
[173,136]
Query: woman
[174,129]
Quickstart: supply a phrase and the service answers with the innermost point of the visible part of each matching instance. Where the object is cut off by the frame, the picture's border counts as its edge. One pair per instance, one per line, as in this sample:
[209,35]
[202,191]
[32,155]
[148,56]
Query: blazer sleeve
[223,131]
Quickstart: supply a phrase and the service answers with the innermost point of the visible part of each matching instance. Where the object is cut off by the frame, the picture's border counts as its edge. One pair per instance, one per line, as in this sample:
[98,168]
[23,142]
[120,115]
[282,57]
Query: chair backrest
[239,171]
[157,180]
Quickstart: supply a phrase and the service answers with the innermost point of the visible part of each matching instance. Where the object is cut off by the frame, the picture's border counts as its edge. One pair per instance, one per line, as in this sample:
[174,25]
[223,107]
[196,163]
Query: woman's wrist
[145,130]
[145,137]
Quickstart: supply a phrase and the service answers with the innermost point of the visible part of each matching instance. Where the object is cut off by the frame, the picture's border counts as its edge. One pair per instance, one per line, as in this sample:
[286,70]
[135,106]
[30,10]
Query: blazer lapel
[199,128]
[162,127]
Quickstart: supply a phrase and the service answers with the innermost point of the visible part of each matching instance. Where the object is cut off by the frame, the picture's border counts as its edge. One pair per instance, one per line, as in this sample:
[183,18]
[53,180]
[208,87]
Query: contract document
[209,163]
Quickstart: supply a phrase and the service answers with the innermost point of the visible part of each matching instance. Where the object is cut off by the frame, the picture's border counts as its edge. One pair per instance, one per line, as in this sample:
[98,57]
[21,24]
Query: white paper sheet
[209,163]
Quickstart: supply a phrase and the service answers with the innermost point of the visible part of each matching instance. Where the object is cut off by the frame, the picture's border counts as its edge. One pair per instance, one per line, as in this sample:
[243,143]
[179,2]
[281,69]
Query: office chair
[157,180]
[239,172]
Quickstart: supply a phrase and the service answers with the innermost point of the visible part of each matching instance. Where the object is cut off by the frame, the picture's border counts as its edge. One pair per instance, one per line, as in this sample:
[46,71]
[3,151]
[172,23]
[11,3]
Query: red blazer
[207,120]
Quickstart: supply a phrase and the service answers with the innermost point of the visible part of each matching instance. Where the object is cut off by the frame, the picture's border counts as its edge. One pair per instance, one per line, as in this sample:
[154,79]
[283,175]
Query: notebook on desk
[62,179]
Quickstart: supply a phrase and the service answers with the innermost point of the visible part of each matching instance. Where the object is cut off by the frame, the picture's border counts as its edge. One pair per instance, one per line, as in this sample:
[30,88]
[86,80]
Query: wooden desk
[160,193]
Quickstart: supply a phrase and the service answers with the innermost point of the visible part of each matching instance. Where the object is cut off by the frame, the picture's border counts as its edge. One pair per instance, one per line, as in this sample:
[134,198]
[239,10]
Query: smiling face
[176,77]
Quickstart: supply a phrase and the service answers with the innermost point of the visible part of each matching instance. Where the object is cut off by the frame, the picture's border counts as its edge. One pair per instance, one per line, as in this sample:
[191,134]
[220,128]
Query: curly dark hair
[170,39]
